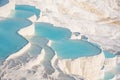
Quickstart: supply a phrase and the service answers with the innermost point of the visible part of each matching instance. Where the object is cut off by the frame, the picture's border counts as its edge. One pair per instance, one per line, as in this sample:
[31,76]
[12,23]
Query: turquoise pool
[117,68]
[21,14]
[52,33]
[108,76]
[108,54]
[3,2]
[10,40]
[28,8]
[75,48]
[63,45]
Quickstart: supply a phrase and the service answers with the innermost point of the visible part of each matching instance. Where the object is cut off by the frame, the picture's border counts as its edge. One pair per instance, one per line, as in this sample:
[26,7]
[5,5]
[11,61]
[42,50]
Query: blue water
[10,40]
[53,33]
[62,44]
[117,68]
[108,54]
[108,76]
[21,14]
[75,48]
[3,2]
[28,8]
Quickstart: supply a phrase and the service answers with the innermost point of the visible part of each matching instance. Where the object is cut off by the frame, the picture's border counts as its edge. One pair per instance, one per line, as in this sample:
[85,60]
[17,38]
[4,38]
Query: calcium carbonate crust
[23,65]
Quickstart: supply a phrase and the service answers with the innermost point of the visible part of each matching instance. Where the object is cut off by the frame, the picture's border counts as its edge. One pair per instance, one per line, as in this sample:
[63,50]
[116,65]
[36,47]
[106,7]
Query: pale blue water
[21,14]
[108,54]
[53,33]
[10,40]
[117,68]
[108,76]
[3,2]
[62,44]
[75,48]
[28,8]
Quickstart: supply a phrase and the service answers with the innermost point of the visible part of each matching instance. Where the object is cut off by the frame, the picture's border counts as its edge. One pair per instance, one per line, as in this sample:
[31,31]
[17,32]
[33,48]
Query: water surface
[108,76]
[52,33]
[10,40]
[21,14]
[108,54]
[28,8]
[75,48]
[63,45]
[3,2]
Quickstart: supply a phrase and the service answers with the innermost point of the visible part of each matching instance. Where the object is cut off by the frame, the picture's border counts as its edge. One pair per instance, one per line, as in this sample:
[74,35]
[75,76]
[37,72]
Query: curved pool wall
[3,2]
[108,54]
[28,8]
[51,32]
[10,40]
[61,43]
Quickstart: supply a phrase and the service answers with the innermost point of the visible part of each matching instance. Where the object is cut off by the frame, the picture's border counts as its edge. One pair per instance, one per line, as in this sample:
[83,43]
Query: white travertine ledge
[87,67]
[99,20]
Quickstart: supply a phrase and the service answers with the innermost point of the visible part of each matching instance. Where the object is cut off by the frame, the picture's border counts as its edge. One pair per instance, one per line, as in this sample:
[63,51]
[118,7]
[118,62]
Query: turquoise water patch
[3,2]
[75,48]
[28,8]
[62,44]
[117,69]
[53,33]
[21,14]
[108,76]
[10,40]
[108,54]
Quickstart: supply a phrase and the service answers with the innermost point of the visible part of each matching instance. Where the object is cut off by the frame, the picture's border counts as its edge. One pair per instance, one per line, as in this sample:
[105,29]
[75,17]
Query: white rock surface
[87,67]
[99,20]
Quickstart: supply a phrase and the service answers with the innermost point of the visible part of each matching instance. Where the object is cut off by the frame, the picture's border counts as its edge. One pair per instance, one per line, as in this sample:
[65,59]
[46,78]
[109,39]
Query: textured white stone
[87,67]
[98,19]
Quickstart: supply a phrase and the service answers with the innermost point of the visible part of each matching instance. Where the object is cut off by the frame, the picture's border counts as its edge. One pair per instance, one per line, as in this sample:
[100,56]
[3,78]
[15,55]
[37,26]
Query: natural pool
[21,14]
[53,33]
[108,54]
[3,2]
[75,48]
[10,40]
[108,76]
[28,8]
[63,45]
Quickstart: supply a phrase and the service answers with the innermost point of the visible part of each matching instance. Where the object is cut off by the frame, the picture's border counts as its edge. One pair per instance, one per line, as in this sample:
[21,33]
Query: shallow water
[108,54]
[28,8]
[62,44]
[21,14]
[52,33]
[10,40]
[108,76]
[75,48]
[3,2]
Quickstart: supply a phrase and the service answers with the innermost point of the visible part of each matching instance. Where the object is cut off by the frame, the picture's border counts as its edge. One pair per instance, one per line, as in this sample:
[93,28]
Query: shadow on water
[3,2]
